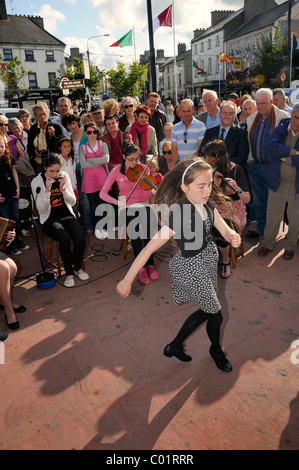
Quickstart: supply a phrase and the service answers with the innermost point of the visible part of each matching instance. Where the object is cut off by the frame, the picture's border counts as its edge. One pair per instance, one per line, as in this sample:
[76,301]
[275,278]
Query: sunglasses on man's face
[91,132]
[166,152]
[129,106]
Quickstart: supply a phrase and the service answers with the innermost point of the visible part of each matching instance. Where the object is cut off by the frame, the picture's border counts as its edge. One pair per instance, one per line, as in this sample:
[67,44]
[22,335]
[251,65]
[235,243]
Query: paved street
[86,369]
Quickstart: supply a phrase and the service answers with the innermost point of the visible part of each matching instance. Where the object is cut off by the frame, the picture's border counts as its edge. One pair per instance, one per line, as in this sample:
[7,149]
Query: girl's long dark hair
[127,150]
[217,149]
[60,140]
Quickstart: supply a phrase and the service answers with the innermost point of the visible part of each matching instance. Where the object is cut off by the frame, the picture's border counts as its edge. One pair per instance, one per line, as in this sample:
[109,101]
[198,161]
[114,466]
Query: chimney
[218,15]
[181,48]
[37,20]
[197,32]
[3,12]
[255,7]
[160,54]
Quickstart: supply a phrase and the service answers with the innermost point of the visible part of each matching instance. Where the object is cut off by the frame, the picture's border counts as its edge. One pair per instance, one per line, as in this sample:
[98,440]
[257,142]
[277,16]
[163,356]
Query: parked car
[9,112]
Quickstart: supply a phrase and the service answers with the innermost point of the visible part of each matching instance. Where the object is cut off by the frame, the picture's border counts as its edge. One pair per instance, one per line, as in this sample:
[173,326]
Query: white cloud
[51,17]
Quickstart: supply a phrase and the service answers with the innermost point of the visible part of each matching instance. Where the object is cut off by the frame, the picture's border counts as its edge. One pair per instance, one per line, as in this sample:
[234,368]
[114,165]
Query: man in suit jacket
[235,138]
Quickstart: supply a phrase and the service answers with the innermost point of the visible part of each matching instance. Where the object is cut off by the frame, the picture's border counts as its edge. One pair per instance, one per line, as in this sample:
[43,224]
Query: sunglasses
[91,132]
[185,137]
[128,106]
[3,124]
[166,152]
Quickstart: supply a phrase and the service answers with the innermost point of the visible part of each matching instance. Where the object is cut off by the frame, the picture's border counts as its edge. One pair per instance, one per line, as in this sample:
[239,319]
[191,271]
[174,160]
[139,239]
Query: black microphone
[38,190]
[237,191]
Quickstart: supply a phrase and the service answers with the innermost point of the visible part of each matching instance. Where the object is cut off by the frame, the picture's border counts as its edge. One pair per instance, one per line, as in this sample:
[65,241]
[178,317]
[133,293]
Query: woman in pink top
[140,233]
[93,156]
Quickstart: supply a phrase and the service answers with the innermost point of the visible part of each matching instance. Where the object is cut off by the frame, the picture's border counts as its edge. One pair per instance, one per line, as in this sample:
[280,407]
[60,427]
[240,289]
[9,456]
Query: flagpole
[134,42]
[151,43]
[174,57]
[219,76]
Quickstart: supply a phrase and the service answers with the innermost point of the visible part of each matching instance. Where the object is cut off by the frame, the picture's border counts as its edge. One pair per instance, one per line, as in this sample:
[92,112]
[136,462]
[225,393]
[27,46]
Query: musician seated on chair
[232,180]
[54,198]
[131,193]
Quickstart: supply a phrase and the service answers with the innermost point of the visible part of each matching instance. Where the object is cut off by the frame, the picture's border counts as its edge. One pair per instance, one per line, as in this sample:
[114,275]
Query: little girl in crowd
[65,150]
[193,268]
[153,168]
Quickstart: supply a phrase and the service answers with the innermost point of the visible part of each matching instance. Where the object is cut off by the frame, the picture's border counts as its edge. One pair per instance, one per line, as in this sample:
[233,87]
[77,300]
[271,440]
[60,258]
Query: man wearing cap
[98,115]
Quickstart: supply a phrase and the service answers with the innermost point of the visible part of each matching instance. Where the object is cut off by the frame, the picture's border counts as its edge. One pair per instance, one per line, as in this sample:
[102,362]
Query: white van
[9,112]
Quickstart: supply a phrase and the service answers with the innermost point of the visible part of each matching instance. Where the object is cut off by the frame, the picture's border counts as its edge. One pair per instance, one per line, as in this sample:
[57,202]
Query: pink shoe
[152,273]
[143,277]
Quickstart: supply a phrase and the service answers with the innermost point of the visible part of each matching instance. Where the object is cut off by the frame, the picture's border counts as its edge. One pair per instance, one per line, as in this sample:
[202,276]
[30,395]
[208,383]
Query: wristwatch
[239,191]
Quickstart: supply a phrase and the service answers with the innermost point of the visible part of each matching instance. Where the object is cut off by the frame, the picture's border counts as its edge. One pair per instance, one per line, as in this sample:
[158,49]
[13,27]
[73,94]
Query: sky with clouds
[75,21]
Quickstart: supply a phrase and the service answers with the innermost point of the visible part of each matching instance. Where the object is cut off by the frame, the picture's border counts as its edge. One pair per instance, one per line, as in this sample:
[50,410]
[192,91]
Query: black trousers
[146,226]
[64,231]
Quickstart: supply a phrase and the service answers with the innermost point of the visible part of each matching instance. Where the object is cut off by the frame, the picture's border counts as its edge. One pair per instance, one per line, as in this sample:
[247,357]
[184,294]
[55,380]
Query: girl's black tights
[194,321]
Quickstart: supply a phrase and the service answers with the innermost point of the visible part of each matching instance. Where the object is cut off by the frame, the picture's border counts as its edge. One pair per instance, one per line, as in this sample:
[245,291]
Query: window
[202,48]
[7,54]
[49,56]
[209,44]
[51,76]
[217,41]
[195,49]
[209,66]
[29,56]
[32,80]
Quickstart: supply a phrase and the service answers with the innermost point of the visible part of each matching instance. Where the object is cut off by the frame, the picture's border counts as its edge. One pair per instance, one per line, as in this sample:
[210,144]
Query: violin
[136,174]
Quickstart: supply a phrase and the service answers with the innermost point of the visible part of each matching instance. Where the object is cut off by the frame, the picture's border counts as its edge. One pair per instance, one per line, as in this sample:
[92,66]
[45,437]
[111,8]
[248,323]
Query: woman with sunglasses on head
[127,109]
[143,134]
[94,157]
[54,198]
[129,196]
[167,161]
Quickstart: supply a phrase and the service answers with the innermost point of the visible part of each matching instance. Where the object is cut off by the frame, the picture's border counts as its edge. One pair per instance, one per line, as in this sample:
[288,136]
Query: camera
[44,155]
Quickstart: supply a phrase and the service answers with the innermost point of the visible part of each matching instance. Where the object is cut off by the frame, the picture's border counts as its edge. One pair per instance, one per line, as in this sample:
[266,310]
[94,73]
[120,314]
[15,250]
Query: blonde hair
[150,161]
[109,105]
[167,144]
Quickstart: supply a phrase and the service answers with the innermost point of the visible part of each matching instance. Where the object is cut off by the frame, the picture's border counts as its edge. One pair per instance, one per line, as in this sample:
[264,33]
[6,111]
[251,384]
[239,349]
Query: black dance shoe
[220,360]
[13,326]
[19,309]
[178,352]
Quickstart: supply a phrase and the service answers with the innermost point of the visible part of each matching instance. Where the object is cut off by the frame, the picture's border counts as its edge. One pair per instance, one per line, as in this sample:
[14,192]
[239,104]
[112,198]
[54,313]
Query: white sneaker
[69,283]
[24,248]
[83,276]
[25,233]
[101,235]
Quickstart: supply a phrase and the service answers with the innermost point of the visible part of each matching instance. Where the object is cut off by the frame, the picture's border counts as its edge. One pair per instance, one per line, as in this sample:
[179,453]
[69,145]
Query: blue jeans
[259,188]
[84,203]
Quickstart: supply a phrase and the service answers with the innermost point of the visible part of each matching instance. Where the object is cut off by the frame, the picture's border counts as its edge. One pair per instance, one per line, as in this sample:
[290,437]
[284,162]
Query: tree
[11,76]
[75,71]
[127,82]
[271,58]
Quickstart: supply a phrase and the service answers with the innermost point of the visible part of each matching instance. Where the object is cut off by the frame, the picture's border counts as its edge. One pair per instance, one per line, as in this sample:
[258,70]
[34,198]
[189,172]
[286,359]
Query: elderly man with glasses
[187,135]
[234,137]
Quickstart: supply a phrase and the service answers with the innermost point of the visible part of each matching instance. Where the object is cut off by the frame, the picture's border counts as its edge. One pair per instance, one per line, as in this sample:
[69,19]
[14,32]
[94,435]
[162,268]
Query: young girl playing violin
[133,194]
[187,188]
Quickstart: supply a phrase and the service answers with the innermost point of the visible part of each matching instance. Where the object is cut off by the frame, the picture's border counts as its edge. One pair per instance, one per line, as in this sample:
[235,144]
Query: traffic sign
[65,83]
[283,76]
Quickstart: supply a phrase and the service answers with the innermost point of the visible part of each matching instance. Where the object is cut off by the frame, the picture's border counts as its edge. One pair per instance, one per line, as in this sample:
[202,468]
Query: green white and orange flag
[196,66]
[224,58]
[125,40]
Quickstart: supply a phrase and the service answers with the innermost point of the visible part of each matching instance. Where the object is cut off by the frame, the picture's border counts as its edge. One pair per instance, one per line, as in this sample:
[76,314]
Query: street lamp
[91,37]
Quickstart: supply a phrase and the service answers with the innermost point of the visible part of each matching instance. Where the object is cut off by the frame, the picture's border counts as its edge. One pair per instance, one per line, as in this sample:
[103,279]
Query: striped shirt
[187,140]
